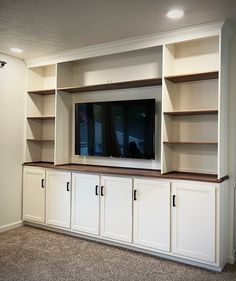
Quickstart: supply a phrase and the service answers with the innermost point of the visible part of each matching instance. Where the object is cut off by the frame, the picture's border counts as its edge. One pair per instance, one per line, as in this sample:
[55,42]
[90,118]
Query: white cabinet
[152,214]
[34,194]
[85,203]
[58,198]
[193,220]
[116,208]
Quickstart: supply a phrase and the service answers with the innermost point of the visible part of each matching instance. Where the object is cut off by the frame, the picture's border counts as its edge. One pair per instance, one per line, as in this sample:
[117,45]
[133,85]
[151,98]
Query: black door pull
[174,204]
[102,190]
[42,183]
[96,190]
[135,195]
[68,186]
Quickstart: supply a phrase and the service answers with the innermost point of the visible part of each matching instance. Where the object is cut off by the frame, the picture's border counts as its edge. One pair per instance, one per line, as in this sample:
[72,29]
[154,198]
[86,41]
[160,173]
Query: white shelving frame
[110,63]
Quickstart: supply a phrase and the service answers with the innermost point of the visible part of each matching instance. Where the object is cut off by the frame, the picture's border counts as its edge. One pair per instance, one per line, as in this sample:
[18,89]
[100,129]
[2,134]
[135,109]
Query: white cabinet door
[34,194]
[152,214]
[116,208]
[58,198]
[85,203]
[193,214]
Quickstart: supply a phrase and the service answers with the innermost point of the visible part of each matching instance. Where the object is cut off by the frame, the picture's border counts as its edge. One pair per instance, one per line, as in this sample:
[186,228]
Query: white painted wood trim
[10,226]
[131,44]
[231,259]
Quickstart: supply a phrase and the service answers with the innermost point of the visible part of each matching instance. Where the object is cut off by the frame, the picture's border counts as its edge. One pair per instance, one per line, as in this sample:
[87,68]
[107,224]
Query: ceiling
[45,28]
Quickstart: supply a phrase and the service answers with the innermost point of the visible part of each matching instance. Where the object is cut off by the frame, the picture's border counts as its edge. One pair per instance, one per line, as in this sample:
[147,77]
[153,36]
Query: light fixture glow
[16,50]
[175,14]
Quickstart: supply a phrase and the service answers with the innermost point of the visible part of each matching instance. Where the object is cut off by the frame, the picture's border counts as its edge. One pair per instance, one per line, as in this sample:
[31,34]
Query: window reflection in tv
[123,129]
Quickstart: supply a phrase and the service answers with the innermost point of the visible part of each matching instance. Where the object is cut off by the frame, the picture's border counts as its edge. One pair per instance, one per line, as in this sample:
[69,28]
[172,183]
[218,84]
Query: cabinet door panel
[34,195]
[85,203]
[194,221]
[58,198]
[116,208]
[152,214]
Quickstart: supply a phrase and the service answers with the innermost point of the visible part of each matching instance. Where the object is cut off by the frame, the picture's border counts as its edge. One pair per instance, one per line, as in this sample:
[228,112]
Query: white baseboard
[10,226]
[231,259]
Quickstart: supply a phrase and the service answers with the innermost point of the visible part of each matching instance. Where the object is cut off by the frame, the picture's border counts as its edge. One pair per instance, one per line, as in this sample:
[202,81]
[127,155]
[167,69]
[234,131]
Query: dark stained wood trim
[114,86]
[129,172]
[192,112]
[41,117]
[39,140]
[193,77]
[189,142]
[43,92]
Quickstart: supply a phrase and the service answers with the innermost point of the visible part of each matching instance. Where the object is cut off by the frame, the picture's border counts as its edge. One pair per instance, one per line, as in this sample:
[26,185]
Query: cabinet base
[125,245]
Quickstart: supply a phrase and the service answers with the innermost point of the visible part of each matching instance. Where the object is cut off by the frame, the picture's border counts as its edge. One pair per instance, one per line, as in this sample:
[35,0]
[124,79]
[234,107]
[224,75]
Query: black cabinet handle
[42,183]
[96,190]
[174,204]
[68,186]
[102,190]
[135,195]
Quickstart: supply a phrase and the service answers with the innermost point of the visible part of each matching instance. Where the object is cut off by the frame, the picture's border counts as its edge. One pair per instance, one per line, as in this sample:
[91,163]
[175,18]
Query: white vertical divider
[224,37]
[63,127]
[166,150]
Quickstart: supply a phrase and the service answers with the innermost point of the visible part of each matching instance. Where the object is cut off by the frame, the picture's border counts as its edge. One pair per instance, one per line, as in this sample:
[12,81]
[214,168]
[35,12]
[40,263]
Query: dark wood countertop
[129,172]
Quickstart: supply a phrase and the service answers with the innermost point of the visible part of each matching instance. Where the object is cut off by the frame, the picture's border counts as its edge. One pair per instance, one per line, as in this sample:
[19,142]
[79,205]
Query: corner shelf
[43,92]
[114,86]
[192,112]
[193,77]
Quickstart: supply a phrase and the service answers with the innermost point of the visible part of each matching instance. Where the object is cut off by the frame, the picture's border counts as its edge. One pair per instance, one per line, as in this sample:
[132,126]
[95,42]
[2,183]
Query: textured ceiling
[48,27]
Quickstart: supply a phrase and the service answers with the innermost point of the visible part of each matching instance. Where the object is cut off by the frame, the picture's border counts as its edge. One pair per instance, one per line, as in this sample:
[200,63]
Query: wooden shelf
[189,142]
[40,140]
[43,92]
[114,86]
[41,117]
[193,77]
[192,112]
[129,172]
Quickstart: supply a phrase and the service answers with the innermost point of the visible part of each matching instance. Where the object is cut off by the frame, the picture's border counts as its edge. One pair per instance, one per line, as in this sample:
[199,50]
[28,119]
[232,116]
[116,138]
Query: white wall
[12,93]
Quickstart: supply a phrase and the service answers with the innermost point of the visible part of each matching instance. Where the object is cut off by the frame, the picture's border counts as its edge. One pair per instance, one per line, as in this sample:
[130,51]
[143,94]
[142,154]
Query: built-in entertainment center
[126,143]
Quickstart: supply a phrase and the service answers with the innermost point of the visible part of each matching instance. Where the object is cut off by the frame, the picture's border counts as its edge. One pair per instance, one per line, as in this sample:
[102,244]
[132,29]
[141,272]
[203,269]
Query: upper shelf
[43,92]
[114,86]
[192,112]
[193,77]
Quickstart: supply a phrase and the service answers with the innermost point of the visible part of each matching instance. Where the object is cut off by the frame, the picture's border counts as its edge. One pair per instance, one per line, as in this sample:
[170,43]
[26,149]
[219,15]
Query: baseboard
[231,259]
[124,245]
[10,226]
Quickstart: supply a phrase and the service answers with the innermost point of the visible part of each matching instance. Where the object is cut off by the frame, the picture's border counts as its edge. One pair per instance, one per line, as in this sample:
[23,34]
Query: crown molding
[131,44]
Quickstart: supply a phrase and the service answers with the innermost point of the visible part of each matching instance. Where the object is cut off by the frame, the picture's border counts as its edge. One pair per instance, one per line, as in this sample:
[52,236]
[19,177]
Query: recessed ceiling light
[175,14]
[16,50]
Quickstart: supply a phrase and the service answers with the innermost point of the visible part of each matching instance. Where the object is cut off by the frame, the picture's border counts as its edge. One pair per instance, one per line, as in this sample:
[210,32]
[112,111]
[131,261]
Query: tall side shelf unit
[191,107]
[40,119]
[186,72]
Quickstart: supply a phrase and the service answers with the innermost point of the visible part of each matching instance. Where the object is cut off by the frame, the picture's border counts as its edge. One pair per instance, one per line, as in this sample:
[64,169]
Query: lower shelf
[39,150]
[191,157]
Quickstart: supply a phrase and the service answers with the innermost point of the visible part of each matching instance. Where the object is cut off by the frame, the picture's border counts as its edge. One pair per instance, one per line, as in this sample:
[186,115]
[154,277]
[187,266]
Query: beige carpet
[31,254]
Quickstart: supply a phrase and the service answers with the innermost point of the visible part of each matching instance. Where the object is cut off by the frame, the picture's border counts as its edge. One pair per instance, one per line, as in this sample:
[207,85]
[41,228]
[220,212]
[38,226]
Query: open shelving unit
[190,106]
[40,119]
[189,77]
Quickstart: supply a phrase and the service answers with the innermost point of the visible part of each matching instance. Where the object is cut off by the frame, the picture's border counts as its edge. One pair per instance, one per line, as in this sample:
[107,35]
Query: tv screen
[122,129]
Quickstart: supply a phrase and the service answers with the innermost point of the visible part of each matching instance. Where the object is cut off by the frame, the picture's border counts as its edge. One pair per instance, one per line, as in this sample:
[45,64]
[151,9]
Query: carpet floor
[32,254]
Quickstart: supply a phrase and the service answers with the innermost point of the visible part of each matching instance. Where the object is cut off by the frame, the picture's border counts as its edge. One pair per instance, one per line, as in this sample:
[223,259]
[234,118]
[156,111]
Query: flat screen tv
[123,129]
